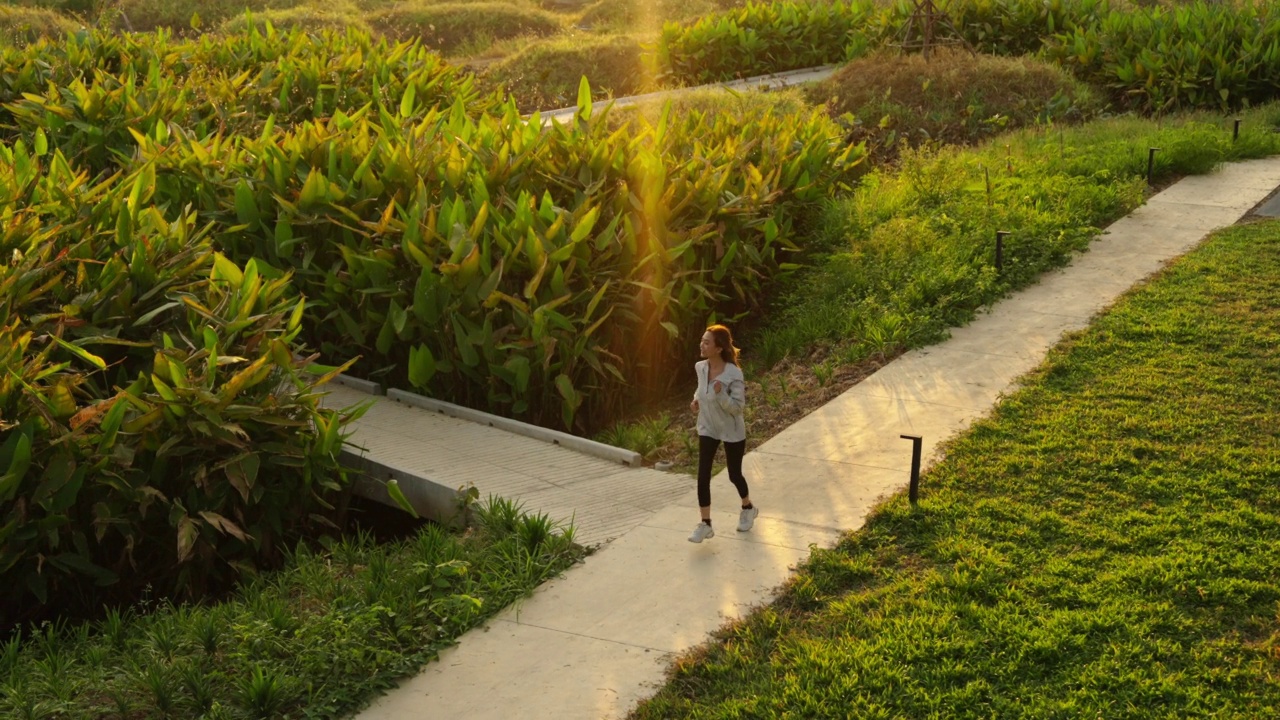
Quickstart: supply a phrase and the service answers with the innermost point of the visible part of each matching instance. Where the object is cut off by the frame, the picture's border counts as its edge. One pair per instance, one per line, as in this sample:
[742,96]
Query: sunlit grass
[1104,546]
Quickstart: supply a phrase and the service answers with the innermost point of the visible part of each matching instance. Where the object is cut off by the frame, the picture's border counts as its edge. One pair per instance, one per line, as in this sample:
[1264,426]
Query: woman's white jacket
[720,413]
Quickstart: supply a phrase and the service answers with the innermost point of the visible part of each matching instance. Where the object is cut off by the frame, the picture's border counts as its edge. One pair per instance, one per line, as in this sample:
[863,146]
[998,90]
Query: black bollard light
[1000,236]
[917,442]
[1235,132]
[1151,162]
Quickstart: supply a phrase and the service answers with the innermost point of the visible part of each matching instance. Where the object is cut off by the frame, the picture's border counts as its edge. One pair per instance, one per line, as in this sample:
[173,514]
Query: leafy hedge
[87,93]
[1202,54]
[154,426]
[487,260]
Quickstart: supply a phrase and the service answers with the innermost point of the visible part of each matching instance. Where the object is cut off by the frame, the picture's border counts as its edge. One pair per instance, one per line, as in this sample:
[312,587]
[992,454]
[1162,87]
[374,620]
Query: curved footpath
[593,642]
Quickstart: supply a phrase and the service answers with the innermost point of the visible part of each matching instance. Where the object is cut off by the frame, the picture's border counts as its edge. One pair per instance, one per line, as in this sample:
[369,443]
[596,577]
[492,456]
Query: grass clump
[188,15]
[546,75]
[307,18]
[461,27]
[1104,546]
[318,639]
[955,97]
[629,16]
[22,25]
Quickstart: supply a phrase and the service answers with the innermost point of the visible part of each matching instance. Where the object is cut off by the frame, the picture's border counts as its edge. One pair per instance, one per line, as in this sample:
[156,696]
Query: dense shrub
[507,266]
[764,38]
[547,75]
[23,25]
[89,94]
[1200,55]
[450,27]
[954,98]
[154,427]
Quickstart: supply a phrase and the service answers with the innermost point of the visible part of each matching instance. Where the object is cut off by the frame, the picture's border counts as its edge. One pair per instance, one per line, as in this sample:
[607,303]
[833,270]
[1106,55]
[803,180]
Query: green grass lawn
[1107,544]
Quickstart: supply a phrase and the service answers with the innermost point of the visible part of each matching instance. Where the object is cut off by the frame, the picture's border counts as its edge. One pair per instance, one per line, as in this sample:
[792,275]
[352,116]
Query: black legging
[733,452]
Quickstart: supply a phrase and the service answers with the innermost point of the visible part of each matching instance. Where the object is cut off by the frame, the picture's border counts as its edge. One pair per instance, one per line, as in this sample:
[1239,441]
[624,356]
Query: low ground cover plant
[1103,545]
[318,639]
[911,252]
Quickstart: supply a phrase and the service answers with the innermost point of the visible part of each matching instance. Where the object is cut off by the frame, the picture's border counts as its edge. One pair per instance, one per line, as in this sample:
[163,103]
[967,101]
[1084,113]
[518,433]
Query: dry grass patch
[463,28]
[954,98]
[308,18]
[142,15]
[546,75]
[22,25]
[627,16]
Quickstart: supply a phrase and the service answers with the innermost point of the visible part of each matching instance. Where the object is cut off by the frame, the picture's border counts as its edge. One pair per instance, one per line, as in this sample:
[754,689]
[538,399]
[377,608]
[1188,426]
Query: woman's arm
[732,396]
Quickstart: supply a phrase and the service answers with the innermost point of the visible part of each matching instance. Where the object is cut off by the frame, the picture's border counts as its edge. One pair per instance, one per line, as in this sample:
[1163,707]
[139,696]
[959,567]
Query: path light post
[1000,236]
[1235,132]
[913,491]
[1151,162]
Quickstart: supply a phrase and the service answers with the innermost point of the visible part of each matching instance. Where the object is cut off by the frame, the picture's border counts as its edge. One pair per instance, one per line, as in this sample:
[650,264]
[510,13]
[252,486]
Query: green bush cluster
[1202,54]
[155,427]
[1223,55]
[90,93]
[761,38]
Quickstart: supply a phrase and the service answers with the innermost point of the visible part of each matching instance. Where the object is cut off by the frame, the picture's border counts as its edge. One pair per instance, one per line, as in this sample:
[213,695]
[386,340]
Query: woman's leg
[706,458]
[733,452]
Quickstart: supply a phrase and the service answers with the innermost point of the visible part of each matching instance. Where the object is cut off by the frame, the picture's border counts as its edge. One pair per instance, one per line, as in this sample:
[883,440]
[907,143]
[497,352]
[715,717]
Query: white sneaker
[747,518]
[702,532]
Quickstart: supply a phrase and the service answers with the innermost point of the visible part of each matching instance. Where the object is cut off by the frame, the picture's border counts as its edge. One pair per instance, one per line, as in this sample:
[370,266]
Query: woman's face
[708,345]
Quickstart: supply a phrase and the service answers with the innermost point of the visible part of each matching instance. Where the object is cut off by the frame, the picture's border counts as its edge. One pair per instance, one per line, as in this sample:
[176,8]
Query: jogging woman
[719,401]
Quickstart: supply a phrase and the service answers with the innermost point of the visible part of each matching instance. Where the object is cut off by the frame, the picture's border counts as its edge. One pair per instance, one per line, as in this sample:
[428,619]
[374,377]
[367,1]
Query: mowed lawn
[1105,545]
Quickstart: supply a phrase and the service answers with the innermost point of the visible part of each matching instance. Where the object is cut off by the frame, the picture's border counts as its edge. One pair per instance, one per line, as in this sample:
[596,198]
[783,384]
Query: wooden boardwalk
[604,499]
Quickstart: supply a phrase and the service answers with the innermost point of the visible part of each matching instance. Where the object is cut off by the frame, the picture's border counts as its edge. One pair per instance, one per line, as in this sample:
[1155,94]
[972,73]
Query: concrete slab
[955,376]
[503,668]
[652,588]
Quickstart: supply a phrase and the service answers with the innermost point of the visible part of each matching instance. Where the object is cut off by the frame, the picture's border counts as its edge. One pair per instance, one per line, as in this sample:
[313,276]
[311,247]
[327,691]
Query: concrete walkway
[434,455]
[772,81]
[593,642]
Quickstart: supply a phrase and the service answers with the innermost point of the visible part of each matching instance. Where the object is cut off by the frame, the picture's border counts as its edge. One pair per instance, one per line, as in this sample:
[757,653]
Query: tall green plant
[493,262]
[154,423]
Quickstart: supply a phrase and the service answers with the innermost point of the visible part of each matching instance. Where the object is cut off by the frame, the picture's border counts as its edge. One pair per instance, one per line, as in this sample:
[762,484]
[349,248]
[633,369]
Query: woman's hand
[719,386]
[694,405]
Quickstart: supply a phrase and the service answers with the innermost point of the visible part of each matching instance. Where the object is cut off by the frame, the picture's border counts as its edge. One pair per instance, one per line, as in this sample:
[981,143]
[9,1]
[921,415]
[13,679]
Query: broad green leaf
[397,495]
[83,354]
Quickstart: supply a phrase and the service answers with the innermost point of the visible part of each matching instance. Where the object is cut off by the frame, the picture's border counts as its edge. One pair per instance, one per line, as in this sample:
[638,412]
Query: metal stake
[917,443]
